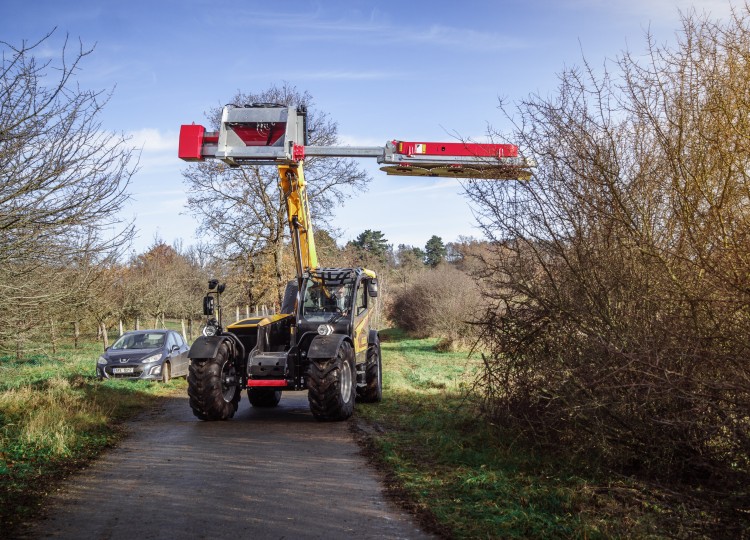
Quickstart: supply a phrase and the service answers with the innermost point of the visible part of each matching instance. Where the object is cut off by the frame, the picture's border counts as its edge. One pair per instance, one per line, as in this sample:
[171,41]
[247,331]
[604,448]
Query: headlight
[152,358]
[325,329]
[210,330]
[102,360]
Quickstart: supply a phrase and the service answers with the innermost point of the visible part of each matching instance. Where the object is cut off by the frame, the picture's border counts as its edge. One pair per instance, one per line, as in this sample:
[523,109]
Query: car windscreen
[146,340]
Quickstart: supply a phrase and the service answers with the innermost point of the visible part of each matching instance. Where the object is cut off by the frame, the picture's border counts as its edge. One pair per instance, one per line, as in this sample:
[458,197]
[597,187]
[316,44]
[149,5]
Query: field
[54,417]
[462,477]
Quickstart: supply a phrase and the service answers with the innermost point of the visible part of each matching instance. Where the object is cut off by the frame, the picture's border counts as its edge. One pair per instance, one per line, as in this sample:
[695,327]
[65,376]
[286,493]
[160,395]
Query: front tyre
[372,392]
[332,385]
[213,386]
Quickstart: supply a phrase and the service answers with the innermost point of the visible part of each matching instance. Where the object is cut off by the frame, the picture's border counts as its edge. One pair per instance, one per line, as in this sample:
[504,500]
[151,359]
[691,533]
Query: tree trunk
[105,339]
[137,323]
[278,259]
[182,323]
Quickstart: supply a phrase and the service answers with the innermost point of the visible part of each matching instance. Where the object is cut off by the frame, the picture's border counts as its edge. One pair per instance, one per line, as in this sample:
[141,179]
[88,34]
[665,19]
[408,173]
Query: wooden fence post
[76,334]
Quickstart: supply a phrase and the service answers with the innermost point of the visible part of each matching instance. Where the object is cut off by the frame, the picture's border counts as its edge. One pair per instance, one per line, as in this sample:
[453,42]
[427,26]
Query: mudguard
[207,346]
[372,336]
[325,346]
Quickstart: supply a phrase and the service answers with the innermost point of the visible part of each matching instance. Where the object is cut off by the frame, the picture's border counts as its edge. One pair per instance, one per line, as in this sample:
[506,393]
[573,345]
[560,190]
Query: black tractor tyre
[372,392]
[213,386]
[263,397]
[165,372]
[290,297]
[331,385]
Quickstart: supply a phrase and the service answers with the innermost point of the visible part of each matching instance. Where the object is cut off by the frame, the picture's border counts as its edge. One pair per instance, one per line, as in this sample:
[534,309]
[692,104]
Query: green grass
[54,417]
[465,477]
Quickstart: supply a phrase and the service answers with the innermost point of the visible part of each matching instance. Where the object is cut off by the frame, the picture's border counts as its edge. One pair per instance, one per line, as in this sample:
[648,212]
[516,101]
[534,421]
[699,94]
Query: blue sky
[419,70]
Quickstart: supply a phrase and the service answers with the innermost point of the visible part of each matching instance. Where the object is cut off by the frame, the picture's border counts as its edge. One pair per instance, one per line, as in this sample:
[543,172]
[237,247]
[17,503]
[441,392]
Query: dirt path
[274,473]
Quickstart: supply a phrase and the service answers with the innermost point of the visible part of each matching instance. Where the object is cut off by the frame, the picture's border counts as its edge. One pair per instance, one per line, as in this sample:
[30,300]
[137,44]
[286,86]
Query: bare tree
[621,273]
[162,282]
[242,210]
[62,179]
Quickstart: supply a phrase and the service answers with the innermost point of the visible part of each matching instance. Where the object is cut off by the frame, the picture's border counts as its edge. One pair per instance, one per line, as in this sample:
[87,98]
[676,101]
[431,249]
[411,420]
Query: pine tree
[434,251]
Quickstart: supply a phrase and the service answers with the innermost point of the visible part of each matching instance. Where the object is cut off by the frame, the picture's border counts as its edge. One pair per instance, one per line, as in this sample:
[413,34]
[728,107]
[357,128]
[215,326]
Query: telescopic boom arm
[268,134]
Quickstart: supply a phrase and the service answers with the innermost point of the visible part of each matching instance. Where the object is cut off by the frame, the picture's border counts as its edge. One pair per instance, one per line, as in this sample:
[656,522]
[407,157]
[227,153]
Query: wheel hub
[228,381]
[346,382]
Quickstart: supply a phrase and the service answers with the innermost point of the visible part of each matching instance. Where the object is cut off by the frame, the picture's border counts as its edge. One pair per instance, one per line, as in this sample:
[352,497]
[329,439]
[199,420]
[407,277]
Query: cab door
[363,313]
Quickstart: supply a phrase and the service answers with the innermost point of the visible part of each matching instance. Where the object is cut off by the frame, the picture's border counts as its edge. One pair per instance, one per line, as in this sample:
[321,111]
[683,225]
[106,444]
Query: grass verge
[464,478]
[55,416]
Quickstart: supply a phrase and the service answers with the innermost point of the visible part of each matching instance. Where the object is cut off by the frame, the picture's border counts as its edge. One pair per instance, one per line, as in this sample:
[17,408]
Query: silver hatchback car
[145,354]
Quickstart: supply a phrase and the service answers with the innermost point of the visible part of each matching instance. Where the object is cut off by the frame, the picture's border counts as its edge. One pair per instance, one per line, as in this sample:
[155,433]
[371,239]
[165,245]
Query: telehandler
[323,341]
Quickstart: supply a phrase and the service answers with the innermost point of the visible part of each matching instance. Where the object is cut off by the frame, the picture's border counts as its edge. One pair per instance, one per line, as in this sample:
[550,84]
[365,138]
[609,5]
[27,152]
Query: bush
[439,302]
[624,329]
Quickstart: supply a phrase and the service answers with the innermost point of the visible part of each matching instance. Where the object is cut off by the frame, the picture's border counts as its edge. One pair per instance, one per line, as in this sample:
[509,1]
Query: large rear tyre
[213,386]
[332,385]
[263,397]
[372,392]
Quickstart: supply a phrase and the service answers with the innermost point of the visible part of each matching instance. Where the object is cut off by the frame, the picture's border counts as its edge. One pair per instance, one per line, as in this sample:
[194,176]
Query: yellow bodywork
[294,189]
[361,333]
[254,322]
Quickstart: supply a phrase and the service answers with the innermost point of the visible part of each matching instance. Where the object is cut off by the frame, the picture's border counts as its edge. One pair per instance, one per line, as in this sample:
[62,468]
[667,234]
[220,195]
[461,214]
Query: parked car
[145,354]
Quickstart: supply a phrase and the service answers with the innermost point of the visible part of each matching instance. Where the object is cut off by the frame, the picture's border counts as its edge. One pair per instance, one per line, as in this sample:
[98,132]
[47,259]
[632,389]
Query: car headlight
[152,358]
[325,330]
[102,360]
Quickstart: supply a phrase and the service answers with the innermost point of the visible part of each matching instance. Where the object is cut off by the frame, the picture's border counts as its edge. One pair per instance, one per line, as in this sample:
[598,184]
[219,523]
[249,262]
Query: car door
[174,355]
[181,359]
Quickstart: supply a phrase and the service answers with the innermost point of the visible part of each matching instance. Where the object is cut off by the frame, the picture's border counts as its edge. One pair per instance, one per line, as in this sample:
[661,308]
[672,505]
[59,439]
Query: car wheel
[165,372]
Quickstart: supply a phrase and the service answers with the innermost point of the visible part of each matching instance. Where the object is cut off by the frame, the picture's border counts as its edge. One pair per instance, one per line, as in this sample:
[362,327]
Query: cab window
[361,298]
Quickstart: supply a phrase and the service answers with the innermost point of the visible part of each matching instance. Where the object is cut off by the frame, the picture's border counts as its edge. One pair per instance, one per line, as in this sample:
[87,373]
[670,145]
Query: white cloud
[344,75]
[461,37]
[158,149]
[316,26]
[659,11]
[152,140]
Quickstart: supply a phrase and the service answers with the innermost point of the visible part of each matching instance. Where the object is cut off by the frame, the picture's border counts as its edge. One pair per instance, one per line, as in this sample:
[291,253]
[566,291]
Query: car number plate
[123,370]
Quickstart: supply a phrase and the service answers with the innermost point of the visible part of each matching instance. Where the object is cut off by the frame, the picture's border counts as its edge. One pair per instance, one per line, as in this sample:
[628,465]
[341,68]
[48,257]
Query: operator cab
[324,301]
[333,299]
